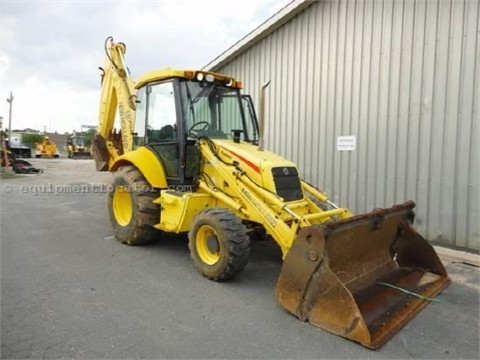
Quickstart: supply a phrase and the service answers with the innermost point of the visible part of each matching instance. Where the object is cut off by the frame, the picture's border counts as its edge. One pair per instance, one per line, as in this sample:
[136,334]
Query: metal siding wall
[400,75]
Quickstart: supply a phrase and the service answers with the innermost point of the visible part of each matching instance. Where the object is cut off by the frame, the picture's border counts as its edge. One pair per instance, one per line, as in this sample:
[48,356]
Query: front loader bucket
[81,155]
[362,278]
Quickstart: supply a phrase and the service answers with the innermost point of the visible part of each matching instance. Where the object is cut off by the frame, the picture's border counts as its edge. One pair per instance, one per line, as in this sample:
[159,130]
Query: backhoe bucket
[362,278]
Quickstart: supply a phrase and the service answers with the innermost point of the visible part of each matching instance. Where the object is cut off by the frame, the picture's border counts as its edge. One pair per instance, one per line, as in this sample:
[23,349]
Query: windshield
[214,110]
[77,141]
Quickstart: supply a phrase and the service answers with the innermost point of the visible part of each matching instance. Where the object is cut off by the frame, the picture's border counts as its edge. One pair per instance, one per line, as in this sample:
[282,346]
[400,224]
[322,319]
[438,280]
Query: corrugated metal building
[377,103]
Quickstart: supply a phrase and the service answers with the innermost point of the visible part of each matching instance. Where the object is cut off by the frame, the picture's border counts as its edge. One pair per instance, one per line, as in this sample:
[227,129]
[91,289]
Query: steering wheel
[197,127]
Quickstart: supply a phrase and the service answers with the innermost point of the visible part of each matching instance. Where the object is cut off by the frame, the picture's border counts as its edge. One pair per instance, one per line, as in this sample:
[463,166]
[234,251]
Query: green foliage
[89,135]
[32,138]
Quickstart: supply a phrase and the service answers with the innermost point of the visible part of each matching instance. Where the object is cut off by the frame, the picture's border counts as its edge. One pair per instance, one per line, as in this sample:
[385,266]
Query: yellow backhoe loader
[77,149]
[189,158]
[46,149]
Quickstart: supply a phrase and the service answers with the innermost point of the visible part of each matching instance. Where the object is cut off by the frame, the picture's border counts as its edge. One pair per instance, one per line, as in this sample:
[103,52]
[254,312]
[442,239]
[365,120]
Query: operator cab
[78,141]
[172,114]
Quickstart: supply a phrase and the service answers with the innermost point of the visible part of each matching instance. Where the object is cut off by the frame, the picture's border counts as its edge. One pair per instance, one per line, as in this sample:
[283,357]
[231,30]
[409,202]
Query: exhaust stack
[261,118]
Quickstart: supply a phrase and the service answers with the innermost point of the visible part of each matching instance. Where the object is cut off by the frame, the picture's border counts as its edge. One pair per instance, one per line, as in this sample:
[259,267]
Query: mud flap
[362,278]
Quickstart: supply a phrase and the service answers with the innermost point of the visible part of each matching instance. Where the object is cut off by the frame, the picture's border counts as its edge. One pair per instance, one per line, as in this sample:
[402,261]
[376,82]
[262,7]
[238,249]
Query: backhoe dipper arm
[117,91]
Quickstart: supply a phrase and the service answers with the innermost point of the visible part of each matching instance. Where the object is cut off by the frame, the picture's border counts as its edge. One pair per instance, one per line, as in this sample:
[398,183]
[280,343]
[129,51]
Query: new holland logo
[285,171]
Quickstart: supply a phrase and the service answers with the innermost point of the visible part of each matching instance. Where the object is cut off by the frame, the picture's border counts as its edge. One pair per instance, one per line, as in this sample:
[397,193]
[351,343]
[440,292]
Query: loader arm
[117,92]
[252,202]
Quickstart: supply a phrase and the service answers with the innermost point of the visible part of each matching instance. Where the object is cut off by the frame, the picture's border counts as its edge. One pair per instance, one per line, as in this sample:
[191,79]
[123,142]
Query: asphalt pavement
[69,290]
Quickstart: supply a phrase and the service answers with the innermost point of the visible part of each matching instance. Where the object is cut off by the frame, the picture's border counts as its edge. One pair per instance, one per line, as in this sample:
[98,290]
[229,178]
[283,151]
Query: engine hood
[267,169]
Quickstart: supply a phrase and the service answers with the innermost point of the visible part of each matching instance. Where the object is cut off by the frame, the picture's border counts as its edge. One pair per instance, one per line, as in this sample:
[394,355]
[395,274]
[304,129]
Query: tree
[32,138]
[88,137]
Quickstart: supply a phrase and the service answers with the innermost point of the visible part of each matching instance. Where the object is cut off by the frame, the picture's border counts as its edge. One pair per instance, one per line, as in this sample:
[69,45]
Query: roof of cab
[169,73]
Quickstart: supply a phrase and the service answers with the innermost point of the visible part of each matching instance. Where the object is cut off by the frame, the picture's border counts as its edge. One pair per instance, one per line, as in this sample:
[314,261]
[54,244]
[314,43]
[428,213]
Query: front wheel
[132,211]
[219,244]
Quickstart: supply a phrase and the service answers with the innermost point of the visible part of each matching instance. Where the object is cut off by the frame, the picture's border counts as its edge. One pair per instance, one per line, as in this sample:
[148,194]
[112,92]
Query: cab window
[161,126]
[140,118]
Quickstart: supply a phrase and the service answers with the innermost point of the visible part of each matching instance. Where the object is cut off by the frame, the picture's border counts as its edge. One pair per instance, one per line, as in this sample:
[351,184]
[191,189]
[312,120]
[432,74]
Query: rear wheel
[131,208]
[219,244]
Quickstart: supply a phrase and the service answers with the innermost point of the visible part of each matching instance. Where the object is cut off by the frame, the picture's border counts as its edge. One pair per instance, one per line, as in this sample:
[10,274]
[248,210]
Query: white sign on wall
[346,143]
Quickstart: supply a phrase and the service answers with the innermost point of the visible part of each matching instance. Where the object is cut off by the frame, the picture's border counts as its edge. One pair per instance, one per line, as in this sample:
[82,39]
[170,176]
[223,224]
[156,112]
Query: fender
[148,164]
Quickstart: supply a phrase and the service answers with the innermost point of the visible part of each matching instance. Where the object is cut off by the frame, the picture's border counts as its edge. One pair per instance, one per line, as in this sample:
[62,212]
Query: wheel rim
[207,244]
[122,205]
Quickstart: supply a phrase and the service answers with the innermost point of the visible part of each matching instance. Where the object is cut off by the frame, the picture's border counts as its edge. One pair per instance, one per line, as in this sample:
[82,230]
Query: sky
[50,51]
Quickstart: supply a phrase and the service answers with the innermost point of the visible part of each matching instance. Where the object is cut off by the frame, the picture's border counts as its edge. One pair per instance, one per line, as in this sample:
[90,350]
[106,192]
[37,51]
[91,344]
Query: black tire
[228,248]
[133,224]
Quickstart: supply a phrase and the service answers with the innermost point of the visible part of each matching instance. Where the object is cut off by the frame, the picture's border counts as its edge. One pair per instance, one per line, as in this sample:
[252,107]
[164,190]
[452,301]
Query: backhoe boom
[117,92]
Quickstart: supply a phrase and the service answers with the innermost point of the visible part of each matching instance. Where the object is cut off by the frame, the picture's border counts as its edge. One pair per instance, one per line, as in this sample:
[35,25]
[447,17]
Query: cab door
[156,126]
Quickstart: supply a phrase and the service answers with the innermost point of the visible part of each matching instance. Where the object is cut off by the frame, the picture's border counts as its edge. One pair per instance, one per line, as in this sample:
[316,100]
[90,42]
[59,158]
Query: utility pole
[4,146]
[10,101]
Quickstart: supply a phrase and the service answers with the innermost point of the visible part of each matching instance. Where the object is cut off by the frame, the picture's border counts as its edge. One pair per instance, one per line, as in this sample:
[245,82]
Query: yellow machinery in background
[77,149]
[46,149]
[189,158]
